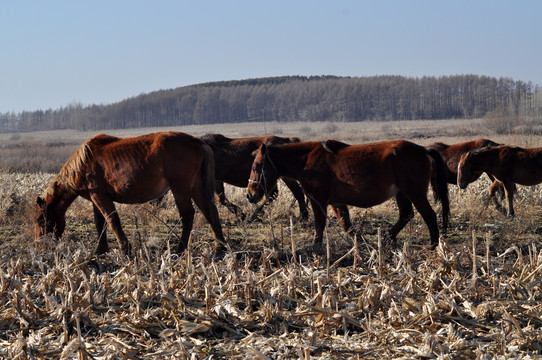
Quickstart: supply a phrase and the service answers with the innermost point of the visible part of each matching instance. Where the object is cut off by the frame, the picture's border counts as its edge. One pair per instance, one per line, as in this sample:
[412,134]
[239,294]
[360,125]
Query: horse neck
[485,161]
[289,160]
[60,195]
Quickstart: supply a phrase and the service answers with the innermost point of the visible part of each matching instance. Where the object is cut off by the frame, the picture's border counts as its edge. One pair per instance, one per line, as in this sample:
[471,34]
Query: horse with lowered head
[365,175]
[451,155]
[106,169]
[233,161]
[508,164]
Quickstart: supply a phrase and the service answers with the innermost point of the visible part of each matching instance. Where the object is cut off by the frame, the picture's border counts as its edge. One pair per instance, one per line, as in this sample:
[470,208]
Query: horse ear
[262,148]
[40,202]
[326,146]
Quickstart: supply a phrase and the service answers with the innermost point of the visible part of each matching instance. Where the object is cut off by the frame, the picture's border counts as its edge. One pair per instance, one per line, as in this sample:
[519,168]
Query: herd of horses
[107,169]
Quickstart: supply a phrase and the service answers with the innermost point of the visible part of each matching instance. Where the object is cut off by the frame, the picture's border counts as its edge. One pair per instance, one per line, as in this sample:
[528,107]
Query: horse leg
[319,210]
[343,216]
[210,213]
[186,212]
[222,199]
[101,228]
[497,187]
[509,192]
[406,213]
[299,195]
[428,214]
[109,212]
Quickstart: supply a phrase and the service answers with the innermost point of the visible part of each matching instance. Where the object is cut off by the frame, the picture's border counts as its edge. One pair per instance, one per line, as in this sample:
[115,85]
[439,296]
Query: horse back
[233,156]
[142,168]
[517,164]
[145,148]
[380,159]
[451,154]
[368,174]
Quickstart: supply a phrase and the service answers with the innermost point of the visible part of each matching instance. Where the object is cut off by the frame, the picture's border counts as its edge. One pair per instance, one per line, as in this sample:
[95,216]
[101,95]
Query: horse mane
[486,148]
[333,146]
[489,143]
[74,165]
[476,151]
[294,139]
[213,139]
[277,140]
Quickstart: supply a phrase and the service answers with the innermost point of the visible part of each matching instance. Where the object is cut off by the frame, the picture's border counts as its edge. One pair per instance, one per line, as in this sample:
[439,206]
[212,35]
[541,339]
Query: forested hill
[294,98]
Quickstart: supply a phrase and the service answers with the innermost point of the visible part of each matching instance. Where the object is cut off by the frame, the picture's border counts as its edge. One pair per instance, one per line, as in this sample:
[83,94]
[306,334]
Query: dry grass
[60,301]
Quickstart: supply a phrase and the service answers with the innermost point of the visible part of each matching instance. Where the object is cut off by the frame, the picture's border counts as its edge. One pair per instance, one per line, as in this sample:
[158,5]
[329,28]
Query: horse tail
[208,174]
[440,185]
[206,202]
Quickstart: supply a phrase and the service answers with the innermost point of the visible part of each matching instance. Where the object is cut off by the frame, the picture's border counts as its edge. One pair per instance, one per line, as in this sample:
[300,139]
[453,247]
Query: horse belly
[527,175]
[368,196]
[139,187]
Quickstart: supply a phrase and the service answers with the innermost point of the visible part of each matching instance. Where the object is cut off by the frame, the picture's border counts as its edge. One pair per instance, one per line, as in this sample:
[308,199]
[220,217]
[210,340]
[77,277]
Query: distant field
[355,131]
[48,150]
[59,301]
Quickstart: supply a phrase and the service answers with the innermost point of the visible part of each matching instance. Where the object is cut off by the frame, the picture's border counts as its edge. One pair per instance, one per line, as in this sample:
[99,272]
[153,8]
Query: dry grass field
[477,296]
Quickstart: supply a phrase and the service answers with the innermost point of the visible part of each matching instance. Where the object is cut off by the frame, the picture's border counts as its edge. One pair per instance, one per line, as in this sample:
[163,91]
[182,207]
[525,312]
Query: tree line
[295,98]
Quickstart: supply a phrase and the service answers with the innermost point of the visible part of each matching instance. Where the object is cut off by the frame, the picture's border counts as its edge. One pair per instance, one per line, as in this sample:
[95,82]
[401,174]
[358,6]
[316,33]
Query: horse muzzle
[462,186]
[45,241]
[254,193]
[253,197]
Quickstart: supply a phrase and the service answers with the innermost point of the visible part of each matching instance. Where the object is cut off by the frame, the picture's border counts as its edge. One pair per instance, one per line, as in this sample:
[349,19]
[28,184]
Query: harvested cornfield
[431,305]
[478,295]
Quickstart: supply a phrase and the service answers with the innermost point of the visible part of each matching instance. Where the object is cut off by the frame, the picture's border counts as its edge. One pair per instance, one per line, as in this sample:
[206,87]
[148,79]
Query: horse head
[47,219]
[263,176]
[466,172]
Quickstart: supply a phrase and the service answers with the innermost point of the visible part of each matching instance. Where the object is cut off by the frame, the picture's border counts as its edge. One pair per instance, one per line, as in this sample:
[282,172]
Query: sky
[58,53]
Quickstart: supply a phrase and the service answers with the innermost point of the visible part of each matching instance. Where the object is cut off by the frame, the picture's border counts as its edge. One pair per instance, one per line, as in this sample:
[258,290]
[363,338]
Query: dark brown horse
[107,169]
[508,164]
[233,161]
[451,155]
[361,175]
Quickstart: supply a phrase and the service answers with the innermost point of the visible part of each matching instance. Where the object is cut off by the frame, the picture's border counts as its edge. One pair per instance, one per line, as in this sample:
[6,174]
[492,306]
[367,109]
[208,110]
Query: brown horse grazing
[508,164]
[451,155]
[361,175]
[233,161]
[107,169]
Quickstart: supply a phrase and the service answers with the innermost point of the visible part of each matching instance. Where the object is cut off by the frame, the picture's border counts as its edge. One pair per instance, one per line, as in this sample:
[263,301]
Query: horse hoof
[181,248]
[100,250]
[126,249]
[318,248]
[220,252]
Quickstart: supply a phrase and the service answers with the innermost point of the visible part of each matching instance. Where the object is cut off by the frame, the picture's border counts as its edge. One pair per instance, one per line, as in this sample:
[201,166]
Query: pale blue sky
[54,53]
